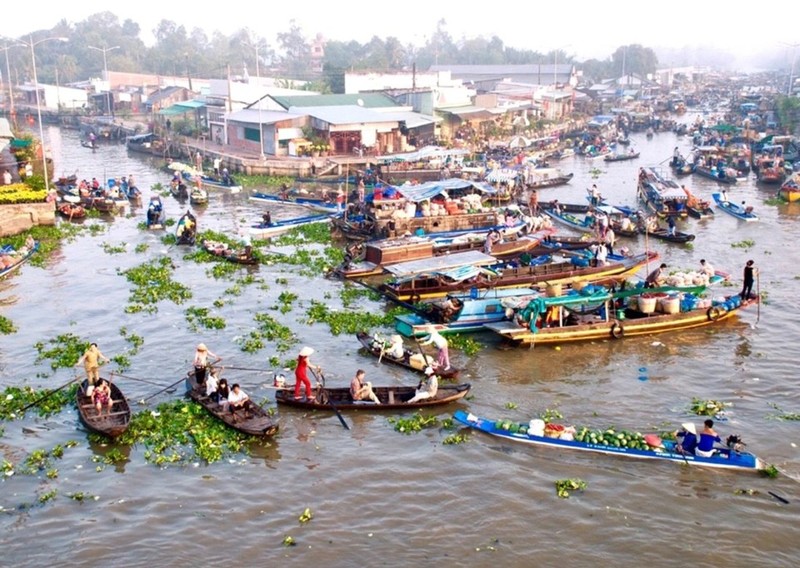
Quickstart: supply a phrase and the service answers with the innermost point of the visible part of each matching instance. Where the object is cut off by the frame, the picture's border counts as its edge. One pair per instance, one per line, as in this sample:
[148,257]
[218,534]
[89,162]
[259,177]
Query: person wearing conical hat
[301,374]
[439,341]
[201,362]
[428,387]
[687,439]
[397,349]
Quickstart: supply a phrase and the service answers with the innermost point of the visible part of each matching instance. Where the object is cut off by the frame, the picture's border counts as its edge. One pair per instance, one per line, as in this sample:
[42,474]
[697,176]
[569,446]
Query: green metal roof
[368,100]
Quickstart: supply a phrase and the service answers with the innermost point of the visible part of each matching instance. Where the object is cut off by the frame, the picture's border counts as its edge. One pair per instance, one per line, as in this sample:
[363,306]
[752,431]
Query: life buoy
[714,313]
[414,299]
[617,331]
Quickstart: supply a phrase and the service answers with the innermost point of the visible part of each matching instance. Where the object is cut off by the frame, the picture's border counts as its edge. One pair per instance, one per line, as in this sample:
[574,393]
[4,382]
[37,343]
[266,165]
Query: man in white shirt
[238,400]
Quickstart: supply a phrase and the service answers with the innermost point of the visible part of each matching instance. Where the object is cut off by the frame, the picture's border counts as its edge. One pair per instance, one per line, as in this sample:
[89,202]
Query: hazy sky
[582,28]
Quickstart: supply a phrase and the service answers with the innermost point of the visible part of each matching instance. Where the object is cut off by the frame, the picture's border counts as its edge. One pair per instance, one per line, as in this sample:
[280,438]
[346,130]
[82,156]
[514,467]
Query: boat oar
[172,386]
[424,356]
[758,293]
[247,369]
[112,375]
[330,398]
[48,395]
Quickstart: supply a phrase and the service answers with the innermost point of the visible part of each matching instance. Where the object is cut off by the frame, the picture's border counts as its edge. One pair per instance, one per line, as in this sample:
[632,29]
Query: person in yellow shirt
[91,363]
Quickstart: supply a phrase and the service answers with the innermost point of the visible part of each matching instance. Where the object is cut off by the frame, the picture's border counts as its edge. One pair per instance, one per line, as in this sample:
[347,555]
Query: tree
[296,58]
[788,109]
[634,60]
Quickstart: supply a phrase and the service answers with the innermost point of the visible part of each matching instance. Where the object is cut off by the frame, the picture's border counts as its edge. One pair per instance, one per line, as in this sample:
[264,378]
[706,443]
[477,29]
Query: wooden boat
[573,318]
[100,203]
[275,228]
[224,251]
[790,189]
[358,228]
[678,237]
[661,195]
[414,284]
[186,229]
[621,157]
[19,260]
[743,213]
[695,207]
[539,178]
[724,458]
[198,196]
[111,424]
[71,211]
[179,190]
[258,423]
[771,172]
[413,361]
[392,398]
[190,174]
[724,177]
[380,254]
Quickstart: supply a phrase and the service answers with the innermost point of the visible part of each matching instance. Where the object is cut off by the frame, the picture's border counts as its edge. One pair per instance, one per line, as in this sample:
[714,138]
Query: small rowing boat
[111,423]
[738,211]
[308,202]
[732,458]
[265,230]
[257,423]
[186,229]
[224,251]
[391,398]
[376,347]
[18,258]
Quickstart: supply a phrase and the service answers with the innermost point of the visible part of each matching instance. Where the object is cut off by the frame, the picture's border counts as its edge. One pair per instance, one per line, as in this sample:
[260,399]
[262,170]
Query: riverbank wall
[17,218]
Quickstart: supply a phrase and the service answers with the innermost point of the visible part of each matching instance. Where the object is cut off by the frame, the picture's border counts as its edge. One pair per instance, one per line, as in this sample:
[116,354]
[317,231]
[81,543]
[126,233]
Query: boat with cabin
[662,195]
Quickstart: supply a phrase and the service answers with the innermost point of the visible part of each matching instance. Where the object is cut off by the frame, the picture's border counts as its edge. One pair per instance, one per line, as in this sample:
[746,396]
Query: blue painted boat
[310,203]
[275,228]
[743,213]
[724,458]
[713,173]
[661,195]
[18,257]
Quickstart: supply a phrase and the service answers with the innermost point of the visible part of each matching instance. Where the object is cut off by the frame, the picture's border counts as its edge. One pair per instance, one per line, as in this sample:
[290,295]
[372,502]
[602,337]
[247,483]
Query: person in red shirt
[301,374]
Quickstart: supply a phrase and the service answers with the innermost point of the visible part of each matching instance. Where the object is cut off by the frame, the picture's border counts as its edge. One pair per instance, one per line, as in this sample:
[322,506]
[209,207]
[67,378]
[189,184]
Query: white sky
[582,28]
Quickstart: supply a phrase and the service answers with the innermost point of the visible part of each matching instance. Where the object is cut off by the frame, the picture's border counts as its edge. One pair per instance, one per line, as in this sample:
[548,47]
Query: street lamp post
[105,68]
[260,124]
[8,78]
[32,44]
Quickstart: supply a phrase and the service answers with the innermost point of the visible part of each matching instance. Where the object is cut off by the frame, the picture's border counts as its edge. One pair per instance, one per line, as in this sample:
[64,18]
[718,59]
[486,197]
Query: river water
[383,498]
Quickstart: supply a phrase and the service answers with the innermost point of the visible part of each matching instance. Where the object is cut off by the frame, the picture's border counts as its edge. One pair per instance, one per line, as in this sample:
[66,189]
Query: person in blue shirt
[708,437]
[686,438]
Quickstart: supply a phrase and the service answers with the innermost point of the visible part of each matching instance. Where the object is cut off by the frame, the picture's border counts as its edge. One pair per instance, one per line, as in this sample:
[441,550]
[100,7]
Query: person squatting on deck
[427,388]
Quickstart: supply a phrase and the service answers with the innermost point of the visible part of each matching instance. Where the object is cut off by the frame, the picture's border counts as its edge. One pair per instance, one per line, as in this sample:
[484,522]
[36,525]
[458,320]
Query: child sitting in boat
[101,396]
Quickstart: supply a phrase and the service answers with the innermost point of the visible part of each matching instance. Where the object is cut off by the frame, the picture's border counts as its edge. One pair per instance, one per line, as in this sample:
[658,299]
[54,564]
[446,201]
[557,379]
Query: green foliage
[47,496]
[285,301]
[564,486]
[745,244]
[7,326]
[783,415]
[708,407]
[455,439]
[135,340]
[263,181]
[199,317]
[469,346]
[269,329]
[550,415]
[13,399]
[141,247]
[348,321]
[153,283]
[114,249]
[414,423]
[181,432]
[64,352]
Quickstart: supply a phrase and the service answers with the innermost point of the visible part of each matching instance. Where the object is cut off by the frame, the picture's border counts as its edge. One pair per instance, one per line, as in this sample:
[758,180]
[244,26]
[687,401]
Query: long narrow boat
[413,361]
[71,211]
[186,229]
[724,458]
[392,398]
[743,213]
[111,424]
[712,173]
[661,195]
[20,260]
[190,174]
[275,228]
[308,202]
[539,178]
[258,423]
[415,284]
[677,237]
[574,319]
[223,251]
[621,157]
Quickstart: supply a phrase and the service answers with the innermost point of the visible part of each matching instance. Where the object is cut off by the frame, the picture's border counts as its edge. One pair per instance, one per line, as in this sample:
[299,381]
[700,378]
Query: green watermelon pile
[511,427]
[611,437]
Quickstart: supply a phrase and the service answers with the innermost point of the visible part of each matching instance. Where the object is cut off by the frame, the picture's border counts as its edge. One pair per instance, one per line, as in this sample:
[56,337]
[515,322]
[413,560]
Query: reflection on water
[378,496]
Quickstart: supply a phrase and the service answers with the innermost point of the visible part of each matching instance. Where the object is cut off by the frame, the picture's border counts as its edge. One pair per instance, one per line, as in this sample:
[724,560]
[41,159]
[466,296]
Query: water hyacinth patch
[346,321]
[153,283]
[182,432]
[64,352]
[199,317]
[7,327]
[269,329]
[114,249]
[414,423]
[564,486]
[13,399]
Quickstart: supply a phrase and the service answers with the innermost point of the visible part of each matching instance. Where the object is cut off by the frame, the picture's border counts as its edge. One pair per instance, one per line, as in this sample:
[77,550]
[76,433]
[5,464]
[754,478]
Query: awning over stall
[422,191]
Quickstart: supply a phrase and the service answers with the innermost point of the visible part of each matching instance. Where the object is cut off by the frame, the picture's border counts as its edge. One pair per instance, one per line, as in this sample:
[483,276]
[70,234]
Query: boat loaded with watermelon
[611,441]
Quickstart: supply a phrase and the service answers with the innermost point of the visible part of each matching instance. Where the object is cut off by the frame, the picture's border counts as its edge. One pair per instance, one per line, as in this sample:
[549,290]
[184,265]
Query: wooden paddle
[330,398]
[176,383]
[112,375]
[48,395]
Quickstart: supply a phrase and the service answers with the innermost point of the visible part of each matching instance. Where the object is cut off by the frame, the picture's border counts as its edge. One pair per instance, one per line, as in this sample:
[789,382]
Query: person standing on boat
[201,363]
[91,363]
[686,439]
[671,226]
[6,177]
[439,341]
[750,273]
[217,164]
[708,437]
[301,374]
[595,195]
[533,202]
[361,390]
[610,240]
[427,388]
